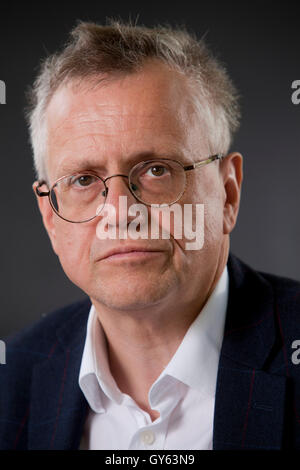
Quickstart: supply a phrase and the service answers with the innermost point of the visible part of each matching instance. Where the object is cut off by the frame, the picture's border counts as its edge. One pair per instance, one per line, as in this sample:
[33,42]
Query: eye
[83,181]
[156,170]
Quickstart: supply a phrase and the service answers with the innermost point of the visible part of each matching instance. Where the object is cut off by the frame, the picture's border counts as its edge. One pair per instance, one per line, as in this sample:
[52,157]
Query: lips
[128,249]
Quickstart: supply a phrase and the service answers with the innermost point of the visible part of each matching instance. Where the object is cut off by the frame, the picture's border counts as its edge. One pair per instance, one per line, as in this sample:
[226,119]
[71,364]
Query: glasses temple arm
[218,156]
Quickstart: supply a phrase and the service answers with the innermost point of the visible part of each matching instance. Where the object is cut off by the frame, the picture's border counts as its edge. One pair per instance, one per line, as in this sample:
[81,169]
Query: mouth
[131,253]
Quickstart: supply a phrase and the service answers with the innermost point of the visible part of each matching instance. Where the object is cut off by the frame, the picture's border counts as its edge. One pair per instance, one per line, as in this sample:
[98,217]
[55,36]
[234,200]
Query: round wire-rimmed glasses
[80,197]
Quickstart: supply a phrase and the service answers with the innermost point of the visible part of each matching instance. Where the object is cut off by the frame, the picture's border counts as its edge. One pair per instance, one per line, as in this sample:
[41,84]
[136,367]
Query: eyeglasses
[81,197]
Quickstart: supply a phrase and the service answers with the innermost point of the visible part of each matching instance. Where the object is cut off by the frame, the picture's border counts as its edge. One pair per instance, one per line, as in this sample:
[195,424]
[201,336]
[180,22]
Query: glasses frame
[193,166]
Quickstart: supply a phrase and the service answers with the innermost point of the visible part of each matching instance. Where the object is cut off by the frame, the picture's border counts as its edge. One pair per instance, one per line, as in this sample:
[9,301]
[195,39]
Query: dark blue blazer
[258,386]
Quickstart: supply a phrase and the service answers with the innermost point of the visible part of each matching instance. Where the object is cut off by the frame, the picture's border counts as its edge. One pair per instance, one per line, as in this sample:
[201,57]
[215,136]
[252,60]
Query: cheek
[72,242]
[205,198]
[213,223]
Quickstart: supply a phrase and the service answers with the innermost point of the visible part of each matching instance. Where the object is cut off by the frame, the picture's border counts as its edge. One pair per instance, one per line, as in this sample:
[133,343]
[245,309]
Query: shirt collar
[195,362]
[95,374]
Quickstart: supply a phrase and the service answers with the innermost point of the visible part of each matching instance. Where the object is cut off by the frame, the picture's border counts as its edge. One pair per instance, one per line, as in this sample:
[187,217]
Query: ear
[47,215]
[232,174]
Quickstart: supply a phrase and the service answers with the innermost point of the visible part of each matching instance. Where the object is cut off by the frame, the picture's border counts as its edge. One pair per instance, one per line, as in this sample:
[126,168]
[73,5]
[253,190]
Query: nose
[117,186]
[116,189]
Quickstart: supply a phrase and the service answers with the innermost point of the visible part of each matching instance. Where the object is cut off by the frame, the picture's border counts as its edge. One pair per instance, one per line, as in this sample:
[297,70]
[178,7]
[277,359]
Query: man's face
[108,129]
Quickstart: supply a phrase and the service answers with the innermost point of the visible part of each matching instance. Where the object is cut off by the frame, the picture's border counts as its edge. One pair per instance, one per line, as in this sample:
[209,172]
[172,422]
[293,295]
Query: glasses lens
[78,198]
[157,181]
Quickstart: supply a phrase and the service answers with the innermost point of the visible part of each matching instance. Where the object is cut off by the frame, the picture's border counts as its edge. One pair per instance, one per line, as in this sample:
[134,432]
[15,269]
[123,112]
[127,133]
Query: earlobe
[232,173]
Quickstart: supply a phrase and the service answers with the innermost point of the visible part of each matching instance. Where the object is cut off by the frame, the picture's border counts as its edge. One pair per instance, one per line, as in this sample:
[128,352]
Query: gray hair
[122,48]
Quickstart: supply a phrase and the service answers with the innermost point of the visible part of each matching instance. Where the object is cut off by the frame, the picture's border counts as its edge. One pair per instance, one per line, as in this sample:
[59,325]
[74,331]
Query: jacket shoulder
[41,334]
[285,294]
[286,307]
[37,342]
[283,286]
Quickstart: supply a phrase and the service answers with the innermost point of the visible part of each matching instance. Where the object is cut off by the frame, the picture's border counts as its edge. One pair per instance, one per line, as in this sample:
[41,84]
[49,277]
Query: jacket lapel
[58,407]
[249,406]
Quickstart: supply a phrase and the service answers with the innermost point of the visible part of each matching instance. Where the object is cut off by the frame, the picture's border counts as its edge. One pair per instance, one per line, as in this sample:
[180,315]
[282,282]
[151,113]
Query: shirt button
[148,437]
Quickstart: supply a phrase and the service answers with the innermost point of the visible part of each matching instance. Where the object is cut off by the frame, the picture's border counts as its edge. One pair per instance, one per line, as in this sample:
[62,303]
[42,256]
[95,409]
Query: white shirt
[184,393]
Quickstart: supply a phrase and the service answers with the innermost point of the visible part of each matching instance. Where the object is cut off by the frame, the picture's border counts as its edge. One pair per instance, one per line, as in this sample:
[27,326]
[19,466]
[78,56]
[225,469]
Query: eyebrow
[98,167]
[81,165]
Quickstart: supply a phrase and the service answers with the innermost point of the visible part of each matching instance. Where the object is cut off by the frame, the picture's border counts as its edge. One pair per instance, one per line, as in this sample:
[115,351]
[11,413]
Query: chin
[131,296]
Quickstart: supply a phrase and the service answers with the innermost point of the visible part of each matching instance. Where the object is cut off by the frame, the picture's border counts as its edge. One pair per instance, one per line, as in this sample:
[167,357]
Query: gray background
[259,42]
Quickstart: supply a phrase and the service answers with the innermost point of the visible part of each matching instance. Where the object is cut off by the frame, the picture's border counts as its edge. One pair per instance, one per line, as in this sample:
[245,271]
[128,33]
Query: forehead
[148,112]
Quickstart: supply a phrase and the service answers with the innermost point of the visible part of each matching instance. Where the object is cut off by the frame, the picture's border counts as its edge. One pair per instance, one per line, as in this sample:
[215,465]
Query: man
[174,348]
